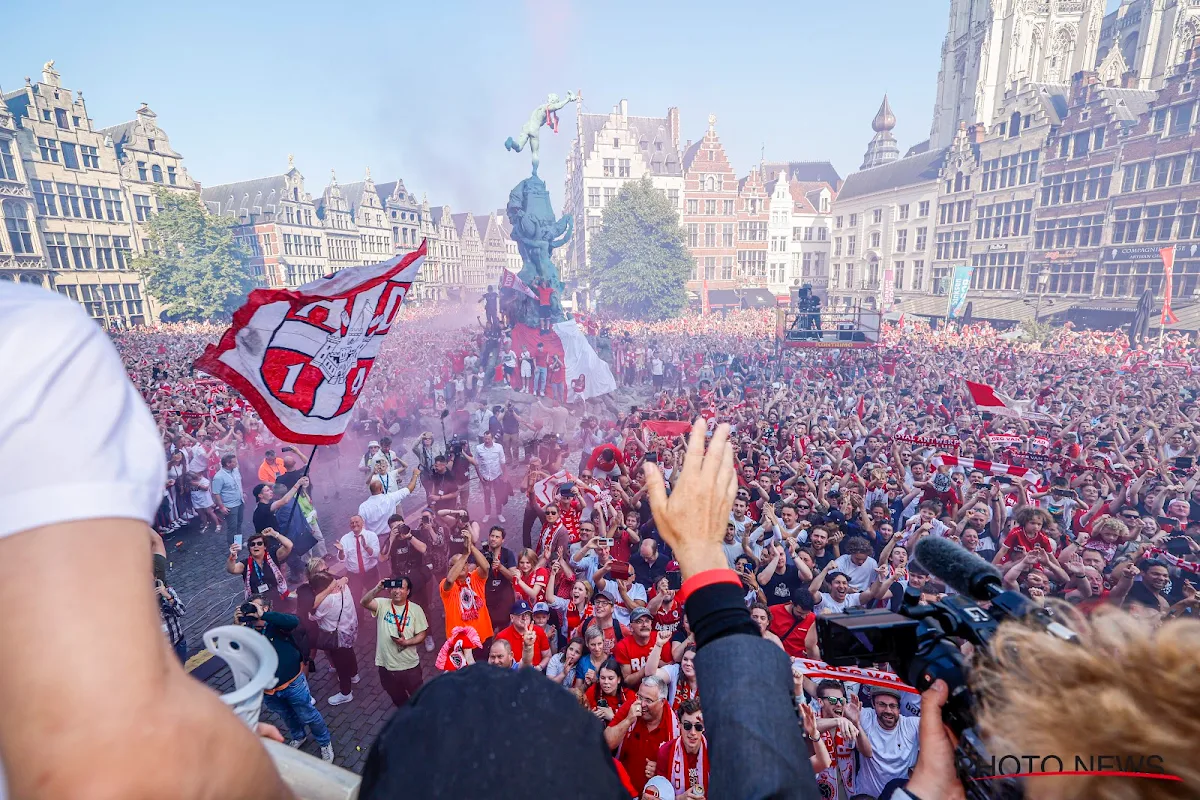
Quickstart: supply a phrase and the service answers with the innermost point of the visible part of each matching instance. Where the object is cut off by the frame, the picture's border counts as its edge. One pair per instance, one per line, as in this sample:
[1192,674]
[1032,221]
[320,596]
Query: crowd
[845,461]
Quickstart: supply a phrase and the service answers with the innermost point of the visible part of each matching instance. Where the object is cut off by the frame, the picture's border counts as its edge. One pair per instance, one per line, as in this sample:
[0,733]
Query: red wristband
[706,578]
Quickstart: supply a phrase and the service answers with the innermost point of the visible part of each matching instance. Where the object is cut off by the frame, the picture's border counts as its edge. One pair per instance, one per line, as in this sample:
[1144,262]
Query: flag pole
[296,497]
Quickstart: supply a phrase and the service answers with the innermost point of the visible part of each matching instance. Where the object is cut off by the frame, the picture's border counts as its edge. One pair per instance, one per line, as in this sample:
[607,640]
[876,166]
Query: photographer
[400,627]
[290,697]
[407,552]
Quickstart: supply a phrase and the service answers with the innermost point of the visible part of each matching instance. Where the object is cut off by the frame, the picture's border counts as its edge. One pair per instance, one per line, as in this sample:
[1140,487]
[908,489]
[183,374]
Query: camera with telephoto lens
[918,643]
[247,614]
[456,445]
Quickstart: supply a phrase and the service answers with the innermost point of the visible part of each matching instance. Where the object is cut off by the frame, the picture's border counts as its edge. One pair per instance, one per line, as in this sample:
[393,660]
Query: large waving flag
[301,357]
[988,399]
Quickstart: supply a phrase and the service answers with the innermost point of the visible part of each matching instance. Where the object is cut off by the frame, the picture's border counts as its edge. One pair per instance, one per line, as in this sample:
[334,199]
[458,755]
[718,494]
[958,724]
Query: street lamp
[1043,280]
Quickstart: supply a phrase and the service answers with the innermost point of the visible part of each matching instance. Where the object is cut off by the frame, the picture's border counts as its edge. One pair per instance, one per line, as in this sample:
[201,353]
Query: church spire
[882,148]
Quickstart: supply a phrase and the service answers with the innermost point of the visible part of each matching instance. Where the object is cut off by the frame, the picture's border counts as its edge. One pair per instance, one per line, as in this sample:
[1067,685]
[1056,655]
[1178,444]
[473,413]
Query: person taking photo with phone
[400,627]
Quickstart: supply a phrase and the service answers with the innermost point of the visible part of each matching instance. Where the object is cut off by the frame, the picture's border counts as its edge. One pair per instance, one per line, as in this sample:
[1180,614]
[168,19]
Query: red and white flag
[994,467]
[988,399]
[301,357]
[1168,257]
[510,280]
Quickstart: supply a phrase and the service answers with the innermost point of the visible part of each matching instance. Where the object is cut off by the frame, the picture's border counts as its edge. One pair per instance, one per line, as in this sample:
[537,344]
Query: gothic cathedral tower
[992,44]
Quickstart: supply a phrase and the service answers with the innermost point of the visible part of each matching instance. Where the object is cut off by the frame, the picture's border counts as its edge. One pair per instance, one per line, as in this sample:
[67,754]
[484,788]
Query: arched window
[16,222]
[156,173]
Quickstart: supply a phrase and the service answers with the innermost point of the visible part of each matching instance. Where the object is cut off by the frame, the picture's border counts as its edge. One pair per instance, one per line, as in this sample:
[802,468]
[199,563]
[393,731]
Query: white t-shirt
[53,355]
[893,752]
[860,577]
[620,612]
[830,606]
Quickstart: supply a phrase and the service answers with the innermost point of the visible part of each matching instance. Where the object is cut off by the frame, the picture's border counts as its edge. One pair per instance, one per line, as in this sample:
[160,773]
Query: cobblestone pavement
[211,596]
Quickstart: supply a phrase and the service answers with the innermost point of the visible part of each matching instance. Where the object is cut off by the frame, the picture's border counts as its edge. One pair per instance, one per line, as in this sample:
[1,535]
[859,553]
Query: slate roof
[689,155]
[803,171]
[650,130]
[231,198]
[1127,104]
[460,223]
[385,192]
[435,214]
[119,133]
[919,168]
[481,224]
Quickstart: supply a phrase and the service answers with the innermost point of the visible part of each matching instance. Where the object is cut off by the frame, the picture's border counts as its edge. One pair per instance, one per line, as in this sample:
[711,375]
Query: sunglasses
[258,544]
[834,701]
[698,727]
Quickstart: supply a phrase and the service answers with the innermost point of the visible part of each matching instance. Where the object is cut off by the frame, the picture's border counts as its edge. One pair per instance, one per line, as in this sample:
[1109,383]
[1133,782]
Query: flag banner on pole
[301,357]
[960,284]
[988,399]
[665,427]
[510,280]
[1168,257]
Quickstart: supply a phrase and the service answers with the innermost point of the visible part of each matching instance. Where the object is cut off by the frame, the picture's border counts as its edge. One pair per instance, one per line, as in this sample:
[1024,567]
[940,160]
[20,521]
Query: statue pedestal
[577,354]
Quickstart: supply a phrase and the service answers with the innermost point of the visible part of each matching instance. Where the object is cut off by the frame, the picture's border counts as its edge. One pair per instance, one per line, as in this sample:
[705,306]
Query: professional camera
[918,645]
[456,445]
[248,614]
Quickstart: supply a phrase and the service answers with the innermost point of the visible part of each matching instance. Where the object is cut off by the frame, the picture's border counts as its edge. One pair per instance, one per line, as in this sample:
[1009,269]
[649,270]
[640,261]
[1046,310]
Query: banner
[301,357]
[1168,257]
[510,280]
[888,290]
[819,670]
[959,285]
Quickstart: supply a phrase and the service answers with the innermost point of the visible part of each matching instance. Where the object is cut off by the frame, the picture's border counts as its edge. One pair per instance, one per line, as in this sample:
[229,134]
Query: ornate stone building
[341,236]
[77,236]
[369,218]
[753,231]
[470,244]
[882,148]
[710,216]
[990,44]
[1148,39]
[499,250]
[799,231]
[610,149]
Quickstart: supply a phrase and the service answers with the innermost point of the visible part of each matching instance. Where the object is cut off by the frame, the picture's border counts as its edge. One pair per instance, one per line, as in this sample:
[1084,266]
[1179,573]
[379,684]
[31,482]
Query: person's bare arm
[134,698]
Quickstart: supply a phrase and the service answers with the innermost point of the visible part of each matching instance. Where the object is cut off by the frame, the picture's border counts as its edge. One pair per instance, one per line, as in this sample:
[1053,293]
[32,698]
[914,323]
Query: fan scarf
[680,779]
[994,467]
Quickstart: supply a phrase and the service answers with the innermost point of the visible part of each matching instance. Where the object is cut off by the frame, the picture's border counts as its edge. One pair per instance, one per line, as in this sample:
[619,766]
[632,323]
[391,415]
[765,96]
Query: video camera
[456,445]
[248,614]
[917,644]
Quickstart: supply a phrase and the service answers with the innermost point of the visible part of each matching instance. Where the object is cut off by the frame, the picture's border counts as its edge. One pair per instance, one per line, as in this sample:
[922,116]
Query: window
[81,251]
[141,205]
[624,169]
[1098,138]
[902,211]
[1135,176]
[710,208]
[1159,120]
[752,231]
[90,156]
[1160,220]
[693,206]
[150,144]
[727,268]
[8,167]
[898,274]
[808,234]
[1082,140]
[710,268]
[853,220]
[104,253]
[1178,167]
[43,195]
[1181,118]
[918,275]
[835,274]
[156,173]
[877,216]
[1069,232]
[673,197]
[837,222]
[610,192]
[822,234]
[1003,219]
[68,200]
[850,242]
[593,196]
[610,168]
[710,235]
[727,235]
[923,208]
[141,168]
[875,239]
[1077,186]
[124,252]
[901,241]
[112,205]
[48,149]
[693,235]
[91,202]
[56,249]
[837,245]
[921,237]
[752,263]
[60,118]
[728,208]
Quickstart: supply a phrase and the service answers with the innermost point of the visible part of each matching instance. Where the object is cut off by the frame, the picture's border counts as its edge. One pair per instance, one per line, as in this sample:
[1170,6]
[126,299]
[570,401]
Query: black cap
[442,743]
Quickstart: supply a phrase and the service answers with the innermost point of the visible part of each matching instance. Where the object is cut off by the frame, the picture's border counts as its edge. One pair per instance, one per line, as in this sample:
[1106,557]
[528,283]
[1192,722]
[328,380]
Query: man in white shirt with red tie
[359,550]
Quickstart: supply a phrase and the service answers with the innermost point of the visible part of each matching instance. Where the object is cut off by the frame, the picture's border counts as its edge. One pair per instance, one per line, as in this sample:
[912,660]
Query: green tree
[639,263]
[195,268]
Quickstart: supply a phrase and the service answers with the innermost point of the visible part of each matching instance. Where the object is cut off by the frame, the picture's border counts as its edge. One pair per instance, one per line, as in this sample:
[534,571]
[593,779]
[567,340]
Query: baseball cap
[602,596]
[638,613]
[520,607]
[661,785]
[540,608]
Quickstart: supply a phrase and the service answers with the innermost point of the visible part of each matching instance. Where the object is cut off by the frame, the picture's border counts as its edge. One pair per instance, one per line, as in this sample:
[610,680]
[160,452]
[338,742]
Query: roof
[803,171]
[435,214]
[232,198]
[1127,104]
[17,101]
[918,148]
[386,190]
[460,223]
[908,171]
[644,130]
[482,221]
[352,193]
[119,133]
[800,196]
[689,155]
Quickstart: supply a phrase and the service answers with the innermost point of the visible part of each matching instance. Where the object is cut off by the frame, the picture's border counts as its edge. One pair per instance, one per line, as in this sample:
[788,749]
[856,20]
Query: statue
[535,229]
[545,114]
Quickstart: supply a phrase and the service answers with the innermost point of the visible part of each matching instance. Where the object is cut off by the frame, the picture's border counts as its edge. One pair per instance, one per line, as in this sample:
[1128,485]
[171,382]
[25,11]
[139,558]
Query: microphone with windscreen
[969,575]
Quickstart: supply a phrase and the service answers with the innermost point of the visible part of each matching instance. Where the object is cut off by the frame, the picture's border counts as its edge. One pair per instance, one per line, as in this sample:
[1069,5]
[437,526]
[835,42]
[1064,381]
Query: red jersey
[541,645]
[544,294]
[628,651]
[641,745]
[1017,536]
[538,579]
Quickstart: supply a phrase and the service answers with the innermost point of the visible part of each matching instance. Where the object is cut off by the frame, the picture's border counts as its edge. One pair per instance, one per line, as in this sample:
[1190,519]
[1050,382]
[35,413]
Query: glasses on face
[698,727]
[258,544]
[834,701]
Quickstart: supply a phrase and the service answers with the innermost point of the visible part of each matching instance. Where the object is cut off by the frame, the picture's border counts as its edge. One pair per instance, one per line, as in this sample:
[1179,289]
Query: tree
[639,264]
[194,268]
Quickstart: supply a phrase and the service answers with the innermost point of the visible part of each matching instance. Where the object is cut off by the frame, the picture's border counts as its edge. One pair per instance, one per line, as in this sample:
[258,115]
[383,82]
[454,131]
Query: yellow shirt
[388,616]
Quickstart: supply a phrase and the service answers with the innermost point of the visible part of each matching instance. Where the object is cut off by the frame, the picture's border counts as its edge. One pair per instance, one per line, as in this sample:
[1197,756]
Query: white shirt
[830,606]
[53,355]
[893,752]
[860,577]
[620,612]
[376,509]
[489,461]
[338,612]
[350,547]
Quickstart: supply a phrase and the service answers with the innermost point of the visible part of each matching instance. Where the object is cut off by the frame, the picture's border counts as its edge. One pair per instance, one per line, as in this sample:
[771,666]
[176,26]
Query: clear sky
[429,90]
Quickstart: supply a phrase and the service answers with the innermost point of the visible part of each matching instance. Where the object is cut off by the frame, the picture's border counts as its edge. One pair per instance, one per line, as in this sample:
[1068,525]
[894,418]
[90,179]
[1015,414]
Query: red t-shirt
[540,647]
[782,621]
[628,651]
[640,744]
[540,358]
[538,579]
[1017,536]
[555,373]
[544,294]
[666,754]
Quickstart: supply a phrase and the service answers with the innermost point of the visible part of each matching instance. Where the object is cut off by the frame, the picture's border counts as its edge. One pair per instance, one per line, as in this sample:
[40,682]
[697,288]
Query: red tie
[358,550]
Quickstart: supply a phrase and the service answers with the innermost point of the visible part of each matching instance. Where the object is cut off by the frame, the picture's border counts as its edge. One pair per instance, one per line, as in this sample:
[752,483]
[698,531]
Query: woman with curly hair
[1027,534]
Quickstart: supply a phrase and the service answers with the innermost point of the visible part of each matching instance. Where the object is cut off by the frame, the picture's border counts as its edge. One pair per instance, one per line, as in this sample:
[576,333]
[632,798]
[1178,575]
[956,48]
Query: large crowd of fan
[846,458]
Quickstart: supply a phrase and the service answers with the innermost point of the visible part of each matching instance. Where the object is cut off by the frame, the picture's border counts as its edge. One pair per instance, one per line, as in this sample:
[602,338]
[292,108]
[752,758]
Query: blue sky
[428,91]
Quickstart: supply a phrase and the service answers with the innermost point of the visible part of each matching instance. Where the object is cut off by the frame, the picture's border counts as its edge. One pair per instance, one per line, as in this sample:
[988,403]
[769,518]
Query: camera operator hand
[934,775]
